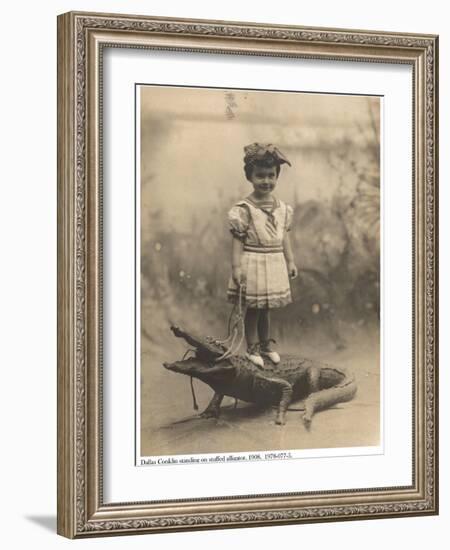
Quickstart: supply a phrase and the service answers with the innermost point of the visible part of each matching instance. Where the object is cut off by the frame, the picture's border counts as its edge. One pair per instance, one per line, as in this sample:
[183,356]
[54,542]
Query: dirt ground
[170,425]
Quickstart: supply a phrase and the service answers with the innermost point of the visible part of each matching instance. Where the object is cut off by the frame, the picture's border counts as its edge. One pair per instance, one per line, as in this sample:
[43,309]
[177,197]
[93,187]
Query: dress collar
[275,204]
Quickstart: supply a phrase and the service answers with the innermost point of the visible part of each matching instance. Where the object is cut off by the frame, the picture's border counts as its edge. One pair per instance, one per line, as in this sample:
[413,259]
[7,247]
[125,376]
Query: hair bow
[263,151]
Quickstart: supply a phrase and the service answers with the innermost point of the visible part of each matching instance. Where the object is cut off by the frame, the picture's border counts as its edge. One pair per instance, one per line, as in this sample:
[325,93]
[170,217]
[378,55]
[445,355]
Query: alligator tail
[324,399]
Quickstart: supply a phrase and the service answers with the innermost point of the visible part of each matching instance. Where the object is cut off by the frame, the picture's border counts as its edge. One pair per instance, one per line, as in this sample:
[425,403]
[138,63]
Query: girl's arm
[289,256]
[236,253]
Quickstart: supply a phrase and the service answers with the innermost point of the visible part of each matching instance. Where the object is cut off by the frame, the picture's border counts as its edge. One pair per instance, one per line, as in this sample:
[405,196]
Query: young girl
[262,259]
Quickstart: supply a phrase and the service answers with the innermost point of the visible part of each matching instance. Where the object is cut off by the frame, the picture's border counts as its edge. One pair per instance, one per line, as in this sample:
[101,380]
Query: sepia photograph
[259,270]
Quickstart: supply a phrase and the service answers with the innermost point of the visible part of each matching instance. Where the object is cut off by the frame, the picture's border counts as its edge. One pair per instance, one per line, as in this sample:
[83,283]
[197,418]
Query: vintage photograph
[259,270]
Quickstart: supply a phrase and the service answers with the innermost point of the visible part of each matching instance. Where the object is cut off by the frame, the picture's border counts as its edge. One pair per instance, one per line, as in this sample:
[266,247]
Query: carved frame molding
[81,37]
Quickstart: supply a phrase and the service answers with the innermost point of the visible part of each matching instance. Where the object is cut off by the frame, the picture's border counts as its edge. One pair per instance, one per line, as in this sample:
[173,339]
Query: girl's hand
[292,270]
[237,276]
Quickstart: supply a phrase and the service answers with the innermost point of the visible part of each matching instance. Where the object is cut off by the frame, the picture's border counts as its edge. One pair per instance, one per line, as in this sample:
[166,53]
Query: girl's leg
[251,326]
[264,336]
[264,325]
[251,335]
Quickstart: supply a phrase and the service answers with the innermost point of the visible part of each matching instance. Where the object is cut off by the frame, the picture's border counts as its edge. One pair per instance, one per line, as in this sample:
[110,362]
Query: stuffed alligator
[319,385]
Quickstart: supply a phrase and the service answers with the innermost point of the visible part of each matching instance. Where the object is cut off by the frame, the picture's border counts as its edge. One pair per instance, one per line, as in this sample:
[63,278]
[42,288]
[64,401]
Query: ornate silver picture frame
[89,433]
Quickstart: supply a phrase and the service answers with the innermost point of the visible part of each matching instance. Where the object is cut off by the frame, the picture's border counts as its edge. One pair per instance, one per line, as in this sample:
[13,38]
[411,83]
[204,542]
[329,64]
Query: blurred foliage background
[191,174]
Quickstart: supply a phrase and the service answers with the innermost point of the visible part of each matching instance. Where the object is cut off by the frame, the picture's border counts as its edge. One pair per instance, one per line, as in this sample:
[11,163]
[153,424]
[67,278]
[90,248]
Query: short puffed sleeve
[238,219]
[289,216]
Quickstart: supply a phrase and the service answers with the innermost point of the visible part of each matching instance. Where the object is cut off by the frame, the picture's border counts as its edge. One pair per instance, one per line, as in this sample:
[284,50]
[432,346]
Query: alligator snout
[183,367]
[190,367]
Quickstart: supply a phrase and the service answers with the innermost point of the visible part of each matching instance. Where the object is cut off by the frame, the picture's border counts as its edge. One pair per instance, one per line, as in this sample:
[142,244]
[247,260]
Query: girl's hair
[265,155]
[266,163]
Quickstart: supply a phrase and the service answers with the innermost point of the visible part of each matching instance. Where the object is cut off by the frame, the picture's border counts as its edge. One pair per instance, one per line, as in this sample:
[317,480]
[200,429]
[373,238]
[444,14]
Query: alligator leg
[313,378]
[285,389]
[286,397]
[323,399]
[213,409]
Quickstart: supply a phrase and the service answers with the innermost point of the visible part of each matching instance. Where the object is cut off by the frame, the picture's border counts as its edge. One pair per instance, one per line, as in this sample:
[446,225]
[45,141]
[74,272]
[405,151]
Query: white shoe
[254,356]
[273,356]
[270,353]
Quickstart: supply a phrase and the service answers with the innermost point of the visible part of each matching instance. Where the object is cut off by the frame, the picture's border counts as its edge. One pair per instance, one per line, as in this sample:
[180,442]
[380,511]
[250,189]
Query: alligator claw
[307,421]
[209,414]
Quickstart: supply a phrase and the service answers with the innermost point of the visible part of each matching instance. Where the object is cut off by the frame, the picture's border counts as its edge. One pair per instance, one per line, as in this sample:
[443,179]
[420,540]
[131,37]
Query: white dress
[263,263]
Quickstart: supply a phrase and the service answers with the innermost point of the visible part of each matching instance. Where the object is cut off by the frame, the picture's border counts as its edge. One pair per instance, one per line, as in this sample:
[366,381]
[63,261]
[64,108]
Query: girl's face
[263,180]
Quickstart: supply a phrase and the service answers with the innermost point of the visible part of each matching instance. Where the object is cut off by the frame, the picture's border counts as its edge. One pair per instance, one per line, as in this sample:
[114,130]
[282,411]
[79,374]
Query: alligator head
[206,348]
[205,371]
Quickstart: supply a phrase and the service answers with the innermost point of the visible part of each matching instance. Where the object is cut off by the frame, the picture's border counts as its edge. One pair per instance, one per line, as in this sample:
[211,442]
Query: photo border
[368,449]
[81,39]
